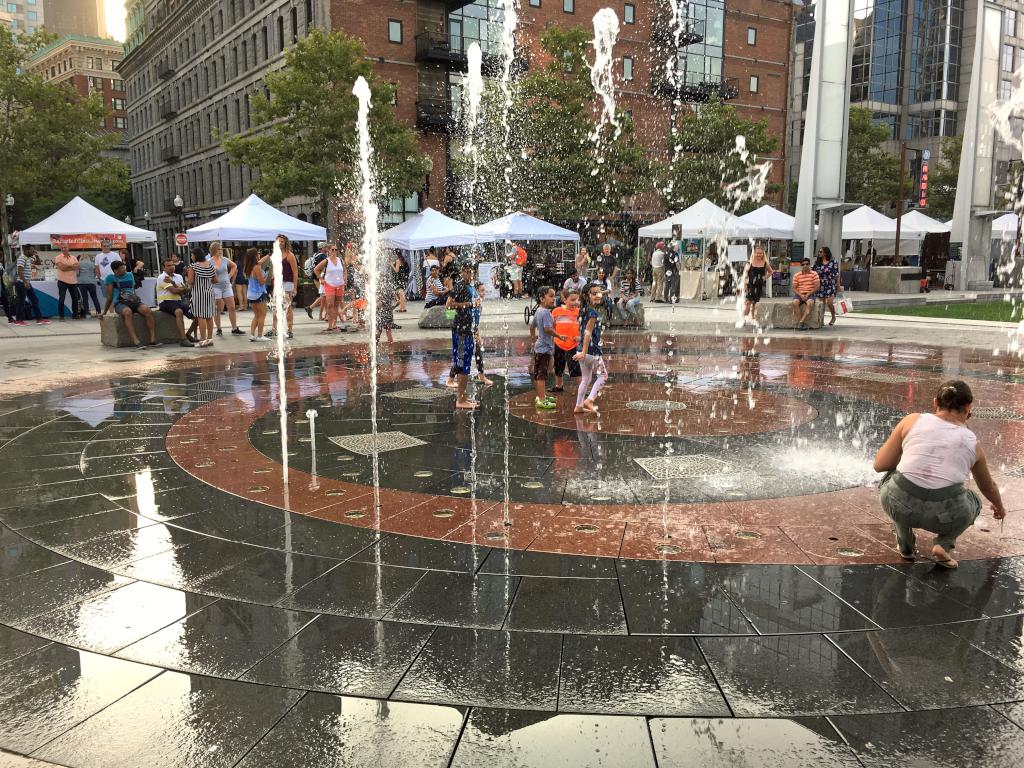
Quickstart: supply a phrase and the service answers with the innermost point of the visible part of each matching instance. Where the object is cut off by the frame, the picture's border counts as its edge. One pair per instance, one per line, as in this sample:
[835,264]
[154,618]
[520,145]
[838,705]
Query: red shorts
[332,292]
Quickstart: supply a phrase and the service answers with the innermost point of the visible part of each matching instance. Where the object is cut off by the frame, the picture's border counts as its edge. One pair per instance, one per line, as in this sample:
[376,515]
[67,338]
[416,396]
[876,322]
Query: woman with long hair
[331,274]
[289,272]
[256,291]
[202,277]
[400,278]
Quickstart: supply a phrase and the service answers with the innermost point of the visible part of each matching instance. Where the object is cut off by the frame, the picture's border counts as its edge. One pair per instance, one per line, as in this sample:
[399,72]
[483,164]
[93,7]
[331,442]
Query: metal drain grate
[675,467]
[421,393]
[386,441]
[656,405]
[998,412]
[885,378]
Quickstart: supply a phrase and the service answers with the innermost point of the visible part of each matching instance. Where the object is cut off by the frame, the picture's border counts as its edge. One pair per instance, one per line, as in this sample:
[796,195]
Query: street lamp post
[6,211]
[179,210]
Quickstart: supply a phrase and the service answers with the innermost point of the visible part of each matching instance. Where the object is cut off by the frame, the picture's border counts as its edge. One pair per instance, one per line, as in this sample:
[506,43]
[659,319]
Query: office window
[569,6]
[754,82]
[627,67]
[1009,22]
[394,31]
[751,36]
[535,3]
[1007,62]
[629,13]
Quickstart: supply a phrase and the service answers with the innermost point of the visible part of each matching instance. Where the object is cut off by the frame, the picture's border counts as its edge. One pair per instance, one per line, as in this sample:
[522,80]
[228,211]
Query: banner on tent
[87,242]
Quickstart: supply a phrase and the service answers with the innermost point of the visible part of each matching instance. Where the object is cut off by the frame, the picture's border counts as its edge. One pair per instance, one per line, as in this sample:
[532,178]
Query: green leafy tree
[50,148]
[872,174]
[707,163]
[555,167]
[942,180]
[309,147]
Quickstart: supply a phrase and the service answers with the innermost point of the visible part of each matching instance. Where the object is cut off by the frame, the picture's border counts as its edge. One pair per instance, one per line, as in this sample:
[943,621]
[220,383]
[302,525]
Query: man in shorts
[461,300]
[119,286]
[542,331]
[170,289]
[805,285]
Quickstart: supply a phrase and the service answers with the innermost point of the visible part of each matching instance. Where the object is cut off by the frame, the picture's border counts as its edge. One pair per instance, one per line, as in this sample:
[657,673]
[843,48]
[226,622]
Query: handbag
[844,305]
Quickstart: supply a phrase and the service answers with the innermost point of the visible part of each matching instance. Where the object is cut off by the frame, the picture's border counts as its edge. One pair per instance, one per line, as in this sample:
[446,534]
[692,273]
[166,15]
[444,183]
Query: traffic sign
[180,240]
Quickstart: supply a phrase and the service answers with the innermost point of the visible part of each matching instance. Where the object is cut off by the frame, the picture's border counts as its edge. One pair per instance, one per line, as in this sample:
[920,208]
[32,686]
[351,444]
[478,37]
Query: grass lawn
[997,311]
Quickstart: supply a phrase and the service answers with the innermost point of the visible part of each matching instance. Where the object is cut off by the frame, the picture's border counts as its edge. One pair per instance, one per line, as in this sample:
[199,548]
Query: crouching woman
[927,459]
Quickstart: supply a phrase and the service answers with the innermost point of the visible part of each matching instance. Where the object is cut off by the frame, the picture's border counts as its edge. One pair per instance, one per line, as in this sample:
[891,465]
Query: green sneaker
[544,405]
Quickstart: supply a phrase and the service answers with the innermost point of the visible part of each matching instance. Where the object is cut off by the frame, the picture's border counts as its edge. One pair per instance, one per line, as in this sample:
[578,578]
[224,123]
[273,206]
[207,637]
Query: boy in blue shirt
[542,331]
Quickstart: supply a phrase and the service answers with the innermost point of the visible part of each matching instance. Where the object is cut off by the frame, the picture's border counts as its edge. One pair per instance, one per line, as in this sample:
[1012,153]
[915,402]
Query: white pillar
[974,192]
[823,155]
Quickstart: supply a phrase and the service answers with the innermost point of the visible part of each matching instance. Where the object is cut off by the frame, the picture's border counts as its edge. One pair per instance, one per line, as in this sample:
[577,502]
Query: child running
[567,336]
[542,331]
[589,351]
[477,291]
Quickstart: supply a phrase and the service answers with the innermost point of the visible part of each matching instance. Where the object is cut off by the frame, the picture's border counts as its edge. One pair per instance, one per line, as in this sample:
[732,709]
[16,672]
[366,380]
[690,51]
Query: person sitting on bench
[119,286]
[170,295]
[805,285]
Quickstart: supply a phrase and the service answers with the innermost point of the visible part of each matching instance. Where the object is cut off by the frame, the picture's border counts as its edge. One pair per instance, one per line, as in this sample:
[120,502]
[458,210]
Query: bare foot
[450,384]
[588,405]
[484,380]
[466,404]
[943,559]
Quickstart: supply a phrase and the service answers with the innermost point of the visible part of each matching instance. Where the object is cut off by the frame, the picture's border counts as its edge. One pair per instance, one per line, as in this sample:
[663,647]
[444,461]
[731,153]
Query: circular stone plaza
[701,576]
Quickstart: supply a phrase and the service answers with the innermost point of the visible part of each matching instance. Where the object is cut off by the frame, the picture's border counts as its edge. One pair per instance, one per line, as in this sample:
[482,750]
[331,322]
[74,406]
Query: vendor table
[46,292]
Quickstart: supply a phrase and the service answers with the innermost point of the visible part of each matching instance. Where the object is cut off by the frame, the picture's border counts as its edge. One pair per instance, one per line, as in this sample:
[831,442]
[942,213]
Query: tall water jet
[474,97]
[510,22]
[277,260]
[602,72]
[370,255]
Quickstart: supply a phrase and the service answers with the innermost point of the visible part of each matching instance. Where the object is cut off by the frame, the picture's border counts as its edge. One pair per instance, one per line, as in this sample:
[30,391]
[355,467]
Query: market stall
[254,220]
[416,235]
[521,228]
[884,275]
[81,227]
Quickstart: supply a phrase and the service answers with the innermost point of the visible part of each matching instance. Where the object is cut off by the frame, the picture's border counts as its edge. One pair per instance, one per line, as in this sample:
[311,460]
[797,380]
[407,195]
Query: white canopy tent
[866,223]
[255,220]
[771,224]
[927,224]
[1004,227]
[80,218]
[427,228]
[702,220]
[522,226]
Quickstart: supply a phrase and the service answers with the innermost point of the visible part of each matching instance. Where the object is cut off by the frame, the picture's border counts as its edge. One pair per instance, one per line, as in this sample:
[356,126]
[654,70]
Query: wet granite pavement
[155,612]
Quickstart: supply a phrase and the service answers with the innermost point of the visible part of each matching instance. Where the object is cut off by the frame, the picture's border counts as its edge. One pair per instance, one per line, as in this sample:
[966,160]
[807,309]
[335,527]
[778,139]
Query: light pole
[6,211]
[179,206]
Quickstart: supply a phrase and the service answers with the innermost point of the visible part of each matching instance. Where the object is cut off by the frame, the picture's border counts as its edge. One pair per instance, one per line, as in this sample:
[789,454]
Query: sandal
[942,558]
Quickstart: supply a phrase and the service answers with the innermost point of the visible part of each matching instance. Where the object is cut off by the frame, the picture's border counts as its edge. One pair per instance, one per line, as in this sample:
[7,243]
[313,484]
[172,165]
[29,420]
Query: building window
[754,82]
[569,6]
[394,31]
[117,104]
[117,85]
[629,13]
[535,3]
[1005,90]
[627,68]
[12,8]
[309,15]
[120,122]
[751,36]
[295,24]
[32,16]
[1008,52]
[1010,22]
[114,64]
[280,33]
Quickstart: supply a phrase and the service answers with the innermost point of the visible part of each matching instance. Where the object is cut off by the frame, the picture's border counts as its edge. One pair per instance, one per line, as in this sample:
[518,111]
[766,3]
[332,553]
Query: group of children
[567,340]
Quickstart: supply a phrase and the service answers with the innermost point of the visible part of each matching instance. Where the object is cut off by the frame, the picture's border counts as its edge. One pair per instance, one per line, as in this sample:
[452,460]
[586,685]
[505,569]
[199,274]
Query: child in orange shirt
[567,330]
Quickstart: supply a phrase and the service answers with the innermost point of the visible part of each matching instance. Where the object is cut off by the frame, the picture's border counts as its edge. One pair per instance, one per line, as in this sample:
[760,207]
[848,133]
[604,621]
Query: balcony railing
[170,154]
[430,47]
[434,115]
[695,88]
[690,31]
[165,70]
[168,112]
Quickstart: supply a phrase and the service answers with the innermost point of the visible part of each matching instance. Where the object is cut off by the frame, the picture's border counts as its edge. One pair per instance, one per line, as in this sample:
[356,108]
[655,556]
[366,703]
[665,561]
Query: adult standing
[609,262]
[400,278]
[658,272]
[23,286]
[516,258]
[67,282]
[105,260]
[757,270]
[202,277]
[828,277]
[12,318]
[222,289]
[330,273]
[254,268]
[87,284]
[449,269]
[430,260]
[583,262]
[241,284]
[289,271]
[928,457]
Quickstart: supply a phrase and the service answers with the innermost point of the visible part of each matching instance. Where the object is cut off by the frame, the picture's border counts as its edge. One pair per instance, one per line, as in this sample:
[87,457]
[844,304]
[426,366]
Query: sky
[115,18]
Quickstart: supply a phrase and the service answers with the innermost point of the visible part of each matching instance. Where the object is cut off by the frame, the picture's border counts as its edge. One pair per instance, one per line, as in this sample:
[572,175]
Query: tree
[707,162]
[556,169]
[872,174]
[50,148]
[309,147]
[942,180]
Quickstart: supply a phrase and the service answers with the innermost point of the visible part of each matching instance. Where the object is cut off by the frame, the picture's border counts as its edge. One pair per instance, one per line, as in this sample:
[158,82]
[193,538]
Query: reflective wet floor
[700,576]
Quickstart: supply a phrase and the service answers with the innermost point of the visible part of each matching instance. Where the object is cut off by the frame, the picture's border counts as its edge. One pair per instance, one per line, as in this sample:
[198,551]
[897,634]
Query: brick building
[191,65]
[90,65]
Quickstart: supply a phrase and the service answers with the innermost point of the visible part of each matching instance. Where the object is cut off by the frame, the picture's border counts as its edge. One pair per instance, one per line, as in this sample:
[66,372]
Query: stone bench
[114,334]
[617,322]
[434,318]
[778,313]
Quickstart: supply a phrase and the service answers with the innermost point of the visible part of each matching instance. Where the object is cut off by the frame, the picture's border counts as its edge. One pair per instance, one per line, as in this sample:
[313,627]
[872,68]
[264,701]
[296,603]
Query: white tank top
[334,273]
[937,454]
